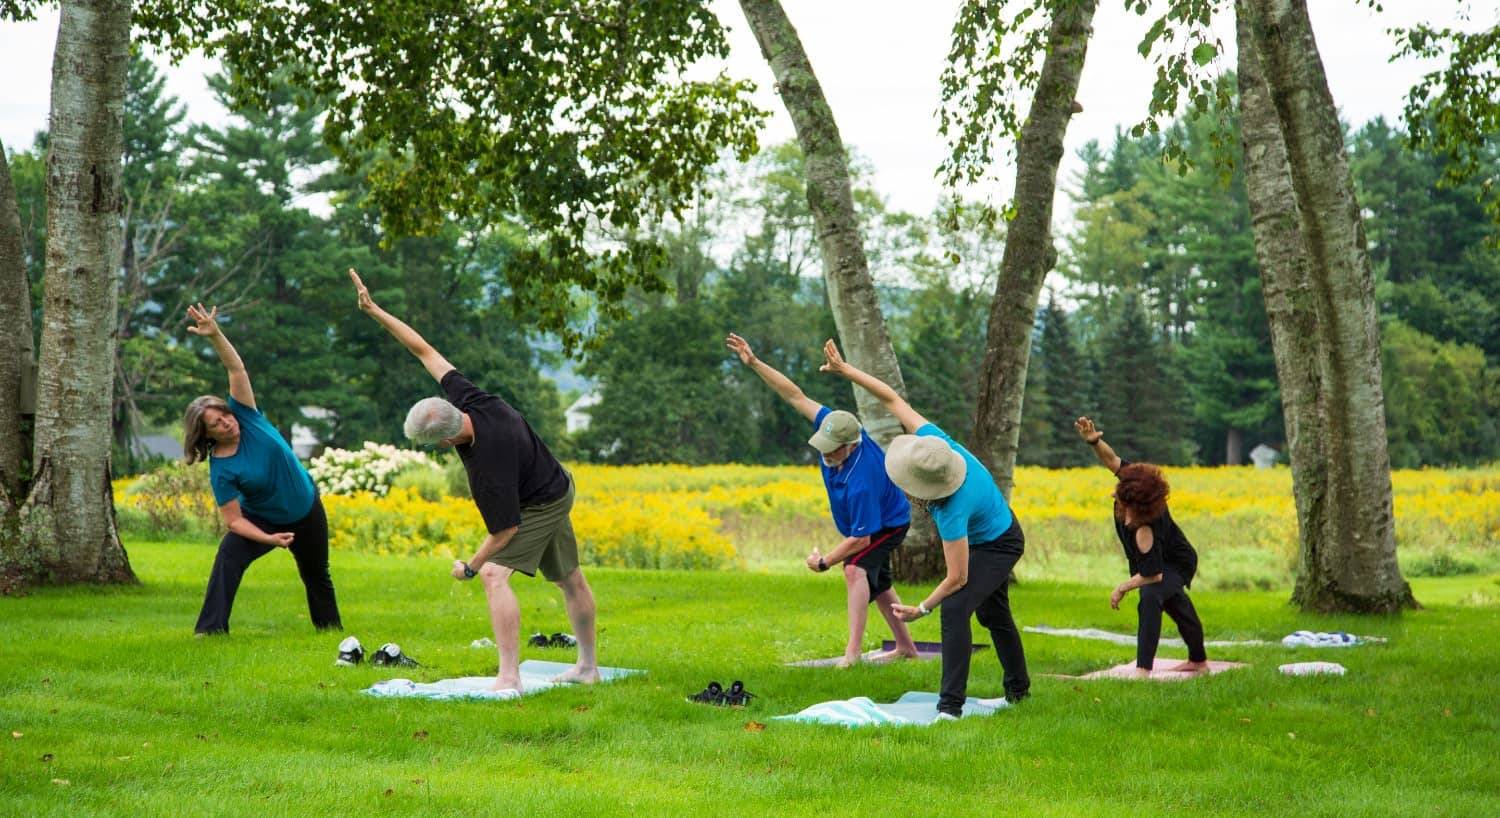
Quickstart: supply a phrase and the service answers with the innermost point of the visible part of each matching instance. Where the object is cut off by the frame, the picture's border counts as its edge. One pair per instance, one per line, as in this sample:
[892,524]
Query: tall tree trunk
[846,270]
[851,292]
[69,517]
[1029,253]
[1348,539]
[15,341]
[1234,447]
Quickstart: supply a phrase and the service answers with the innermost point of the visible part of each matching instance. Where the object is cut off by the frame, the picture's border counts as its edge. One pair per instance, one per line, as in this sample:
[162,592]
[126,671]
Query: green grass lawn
[120,711]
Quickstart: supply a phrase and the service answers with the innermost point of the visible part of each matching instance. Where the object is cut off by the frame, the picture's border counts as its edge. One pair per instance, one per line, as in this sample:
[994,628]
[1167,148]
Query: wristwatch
[923,609]
[822,565]
[469,572]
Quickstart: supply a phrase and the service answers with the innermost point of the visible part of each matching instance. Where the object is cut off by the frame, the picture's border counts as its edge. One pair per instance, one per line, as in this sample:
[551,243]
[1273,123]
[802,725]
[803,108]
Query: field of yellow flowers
[1241,520]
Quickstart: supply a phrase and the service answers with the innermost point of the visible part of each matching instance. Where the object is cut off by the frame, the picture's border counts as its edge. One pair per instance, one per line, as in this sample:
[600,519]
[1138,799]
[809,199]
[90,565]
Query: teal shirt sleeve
[221,479]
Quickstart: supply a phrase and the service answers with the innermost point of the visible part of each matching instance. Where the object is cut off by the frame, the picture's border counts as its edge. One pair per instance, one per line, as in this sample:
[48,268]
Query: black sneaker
[351,652]
[390,655]
[737,695]
[563,640]
[713,694]
[538,640]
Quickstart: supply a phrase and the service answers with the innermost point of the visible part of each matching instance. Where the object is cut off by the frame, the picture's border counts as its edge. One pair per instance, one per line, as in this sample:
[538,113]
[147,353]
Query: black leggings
[1169,596]
[309,548]
[986,594]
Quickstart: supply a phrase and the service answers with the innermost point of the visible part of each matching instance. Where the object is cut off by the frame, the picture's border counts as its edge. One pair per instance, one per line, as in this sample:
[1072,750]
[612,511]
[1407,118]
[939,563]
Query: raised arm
[206,326]
[436,364]
[894,403]
[781,384]
[1095,438]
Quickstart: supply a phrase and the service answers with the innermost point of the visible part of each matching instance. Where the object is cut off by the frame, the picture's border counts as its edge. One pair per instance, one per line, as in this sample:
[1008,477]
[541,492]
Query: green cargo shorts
[544,540]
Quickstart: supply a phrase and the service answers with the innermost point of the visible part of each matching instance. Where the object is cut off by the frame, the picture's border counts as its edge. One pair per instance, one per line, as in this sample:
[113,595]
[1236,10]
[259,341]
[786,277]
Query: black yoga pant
[1170,596]
[987,595]
[309,548]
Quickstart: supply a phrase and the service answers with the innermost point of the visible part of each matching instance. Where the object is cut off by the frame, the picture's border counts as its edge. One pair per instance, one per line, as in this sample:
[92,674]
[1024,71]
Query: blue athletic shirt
[860,495]
[263,473]
[977,510]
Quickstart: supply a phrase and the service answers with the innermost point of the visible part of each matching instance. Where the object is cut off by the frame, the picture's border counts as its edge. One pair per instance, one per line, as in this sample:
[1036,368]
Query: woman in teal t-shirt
[266,497]
[982,541]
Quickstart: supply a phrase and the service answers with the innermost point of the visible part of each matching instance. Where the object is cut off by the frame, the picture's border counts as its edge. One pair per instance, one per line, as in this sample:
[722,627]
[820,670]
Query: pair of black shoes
[556,640]
[715,694]
[351,653]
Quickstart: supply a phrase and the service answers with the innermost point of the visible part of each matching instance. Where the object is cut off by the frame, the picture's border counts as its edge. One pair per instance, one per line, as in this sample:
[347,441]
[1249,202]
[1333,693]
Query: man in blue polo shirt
[868,509]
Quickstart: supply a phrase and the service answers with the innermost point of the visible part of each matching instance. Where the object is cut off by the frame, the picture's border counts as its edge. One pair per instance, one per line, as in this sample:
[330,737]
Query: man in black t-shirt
[522,492]
[1162,561]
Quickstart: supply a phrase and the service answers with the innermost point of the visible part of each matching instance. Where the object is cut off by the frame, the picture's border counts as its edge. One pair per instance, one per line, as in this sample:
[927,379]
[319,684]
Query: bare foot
[1142,673]
[848,661]
[577,674]
[1191,667]
[885,657]
[504,683]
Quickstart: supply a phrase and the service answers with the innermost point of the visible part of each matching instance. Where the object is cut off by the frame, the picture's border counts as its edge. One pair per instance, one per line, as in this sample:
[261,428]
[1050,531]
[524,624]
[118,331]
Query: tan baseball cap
[925,467]
[839,428]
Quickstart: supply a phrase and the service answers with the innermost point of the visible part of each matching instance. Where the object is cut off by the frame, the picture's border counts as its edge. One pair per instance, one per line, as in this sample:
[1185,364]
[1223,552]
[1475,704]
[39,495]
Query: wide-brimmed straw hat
[925,467]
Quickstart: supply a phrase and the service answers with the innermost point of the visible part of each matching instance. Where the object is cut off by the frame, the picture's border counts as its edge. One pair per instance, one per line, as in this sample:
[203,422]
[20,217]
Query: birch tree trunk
[846,270]
[1320,301]
[15,341]
[1029,252]
[69,516]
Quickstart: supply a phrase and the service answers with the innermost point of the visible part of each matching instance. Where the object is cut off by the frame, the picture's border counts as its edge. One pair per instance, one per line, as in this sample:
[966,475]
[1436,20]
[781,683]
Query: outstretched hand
[832,360]
[906,613]
[1086,430]
[739,346]
[366,303]
[205,320]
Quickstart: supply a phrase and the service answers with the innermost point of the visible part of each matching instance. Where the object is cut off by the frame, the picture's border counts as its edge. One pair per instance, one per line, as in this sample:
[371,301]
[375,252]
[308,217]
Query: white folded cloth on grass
[913,708]
[536,676]
[1320,639]
[1129,639]
[1312,669]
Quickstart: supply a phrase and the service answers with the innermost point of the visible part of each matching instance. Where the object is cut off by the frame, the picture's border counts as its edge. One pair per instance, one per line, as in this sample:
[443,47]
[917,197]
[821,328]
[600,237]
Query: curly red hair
[1143,489]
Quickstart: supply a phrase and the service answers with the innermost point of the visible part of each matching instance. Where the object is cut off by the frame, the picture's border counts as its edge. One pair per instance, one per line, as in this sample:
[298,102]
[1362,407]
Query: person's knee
[854,574]
[494,575]
[573,583]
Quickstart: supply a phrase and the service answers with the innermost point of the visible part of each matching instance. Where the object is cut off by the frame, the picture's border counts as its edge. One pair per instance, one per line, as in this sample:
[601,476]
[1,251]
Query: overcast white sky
[879,62]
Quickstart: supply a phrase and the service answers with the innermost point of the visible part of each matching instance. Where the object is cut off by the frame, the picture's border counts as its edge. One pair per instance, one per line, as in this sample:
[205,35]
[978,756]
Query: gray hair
[433,419]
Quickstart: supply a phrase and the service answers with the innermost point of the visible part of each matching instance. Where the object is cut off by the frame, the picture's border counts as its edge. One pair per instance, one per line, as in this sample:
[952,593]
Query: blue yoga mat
[913,708]
[536,676]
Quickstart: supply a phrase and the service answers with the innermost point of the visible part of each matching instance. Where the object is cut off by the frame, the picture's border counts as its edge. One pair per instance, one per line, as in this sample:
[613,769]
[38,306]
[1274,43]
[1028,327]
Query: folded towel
[1320,639]
[1312,669]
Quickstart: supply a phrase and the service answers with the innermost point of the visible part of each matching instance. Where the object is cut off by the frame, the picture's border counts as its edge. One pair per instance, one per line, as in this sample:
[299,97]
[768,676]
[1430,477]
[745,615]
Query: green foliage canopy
[577,116]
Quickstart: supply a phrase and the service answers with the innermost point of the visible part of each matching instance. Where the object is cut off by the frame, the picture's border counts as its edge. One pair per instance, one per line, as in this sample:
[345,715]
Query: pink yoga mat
[1127,671]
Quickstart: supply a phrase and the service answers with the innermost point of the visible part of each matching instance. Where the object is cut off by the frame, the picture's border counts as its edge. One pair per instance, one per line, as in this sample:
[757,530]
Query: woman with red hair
[1162,561]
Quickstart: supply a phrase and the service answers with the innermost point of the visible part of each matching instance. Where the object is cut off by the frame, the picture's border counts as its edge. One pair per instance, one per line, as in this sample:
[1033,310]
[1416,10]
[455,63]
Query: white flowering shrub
[371,468]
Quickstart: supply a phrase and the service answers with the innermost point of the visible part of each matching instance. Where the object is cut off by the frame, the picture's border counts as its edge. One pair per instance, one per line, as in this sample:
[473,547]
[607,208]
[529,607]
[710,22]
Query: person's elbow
[1151,580]
[957,579]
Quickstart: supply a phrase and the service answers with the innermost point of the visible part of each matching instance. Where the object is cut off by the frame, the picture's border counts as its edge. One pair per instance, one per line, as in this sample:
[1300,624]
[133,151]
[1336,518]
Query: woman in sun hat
[982,541]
